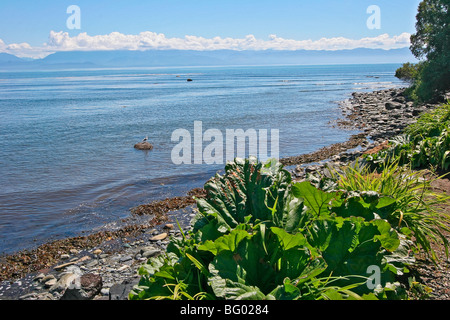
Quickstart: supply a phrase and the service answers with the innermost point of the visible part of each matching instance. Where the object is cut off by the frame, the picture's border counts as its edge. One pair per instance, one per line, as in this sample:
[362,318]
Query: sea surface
[67,162]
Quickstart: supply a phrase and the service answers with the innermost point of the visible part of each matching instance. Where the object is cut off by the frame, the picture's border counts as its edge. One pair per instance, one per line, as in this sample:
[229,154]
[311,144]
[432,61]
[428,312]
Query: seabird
[145,139]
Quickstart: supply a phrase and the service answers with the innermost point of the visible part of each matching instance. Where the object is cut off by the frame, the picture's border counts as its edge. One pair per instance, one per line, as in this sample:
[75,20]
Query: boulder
[120,291]
[143,146]
[416,112]
[393,105]
[89,286]
[67,280]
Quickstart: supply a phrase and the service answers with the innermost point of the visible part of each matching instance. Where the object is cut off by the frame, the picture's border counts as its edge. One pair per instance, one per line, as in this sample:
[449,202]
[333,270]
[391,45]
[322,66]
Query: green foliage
[425,144]
[249,192]
[258,236]
[432,42]
[409,72]
[404,200]
[418,291]
[430,124]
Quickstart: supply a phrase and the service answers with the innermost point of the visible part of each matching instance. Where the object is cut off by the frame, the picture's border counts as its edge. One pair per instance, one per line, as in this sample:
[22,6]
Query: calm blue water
[67,162]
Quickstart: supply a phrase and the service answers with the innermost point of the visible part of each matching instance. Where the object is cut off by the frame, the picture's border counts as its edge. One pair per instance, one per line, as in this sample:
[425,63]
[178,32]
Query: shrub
[409,72]
[259,236]
[425,144]
[411,209]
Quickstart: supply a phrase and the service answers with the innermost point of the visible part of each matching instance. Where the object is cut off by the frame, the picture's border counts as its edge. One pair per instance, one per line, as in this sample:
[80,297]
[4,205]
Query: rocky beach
[104,266]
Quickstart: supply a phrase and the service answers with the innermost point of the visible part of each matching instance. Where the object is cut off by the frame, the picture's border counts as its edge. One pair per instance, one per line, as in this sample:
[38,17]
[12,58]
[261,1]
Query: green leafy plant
[431,123]
[259,236]
[246,264]
[430,44]
[405,201]
[425,144]
[249,191]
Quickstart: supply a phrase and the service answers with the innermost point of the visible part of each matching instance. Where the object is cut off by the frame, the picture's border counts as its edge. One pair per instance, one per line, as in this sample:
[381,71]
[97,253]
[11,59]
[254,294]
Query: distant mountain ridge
[180,58]
[7,58]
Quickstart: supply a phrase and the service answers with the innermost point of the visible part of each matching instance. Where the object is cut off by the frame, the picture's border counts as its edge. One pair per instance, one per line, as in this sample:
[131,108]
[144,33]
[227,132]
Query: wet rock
[143,146]
[39,277]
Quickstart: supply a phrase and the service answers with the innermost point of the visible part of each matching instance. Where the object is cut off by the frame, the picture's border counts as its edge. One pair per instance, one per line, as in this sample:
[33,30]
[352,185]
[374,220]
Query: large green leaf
[368,205]
[228,281]
[290,212]
[259,262]
[351,245]
[293,256]
[316,200]
[228,242]
[250,190]
[286,291]
[160,274]
[388,237]
[241,191]
[289,241]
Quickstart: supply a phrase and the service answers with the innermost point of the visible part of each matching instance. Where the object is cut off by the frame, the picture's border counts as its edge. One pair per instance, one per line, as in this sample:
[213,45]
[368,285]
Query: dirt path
[436,277]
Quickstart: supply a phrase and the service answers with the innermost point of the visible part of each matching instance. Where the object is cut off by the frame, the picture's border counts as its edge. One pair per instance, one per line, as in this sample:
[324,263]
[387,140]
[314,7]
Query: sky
[37,28]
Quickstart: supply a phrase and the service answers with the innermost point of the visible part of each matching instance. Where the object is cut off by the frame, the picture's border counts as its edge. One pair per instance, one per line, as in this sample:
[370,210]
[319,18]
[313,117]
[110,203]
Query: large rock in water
[143,146]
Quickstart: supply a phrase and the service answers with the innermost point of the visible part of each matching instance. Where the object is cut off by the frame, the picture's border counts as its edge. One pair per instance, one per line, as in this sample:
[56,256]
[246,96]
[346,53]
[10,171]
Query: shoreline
[108,260]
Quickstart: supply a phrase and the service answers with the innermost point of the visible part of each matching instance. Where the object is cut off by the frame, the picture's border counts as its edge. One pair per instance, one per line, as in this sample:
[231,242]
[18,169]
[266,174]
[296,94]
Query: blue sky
[26,21]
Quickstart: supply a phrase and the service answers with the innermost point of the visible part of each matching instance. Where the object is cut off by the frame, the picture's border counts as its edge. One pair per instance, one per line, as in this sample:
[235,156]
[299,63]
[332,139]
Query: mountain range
[179,58]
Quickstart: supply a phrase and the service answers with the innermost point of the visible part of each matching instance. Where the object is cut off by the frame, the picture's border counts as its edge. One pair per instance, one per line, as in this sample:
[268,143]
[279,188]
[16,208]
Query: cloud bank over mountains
[147,40]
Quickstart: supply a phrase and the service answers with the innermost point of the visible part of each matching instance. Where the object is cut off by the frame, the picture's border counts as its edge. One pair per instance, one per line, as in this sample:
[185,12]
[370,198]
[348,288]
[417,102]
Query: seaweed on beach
[159,208]
[19,264]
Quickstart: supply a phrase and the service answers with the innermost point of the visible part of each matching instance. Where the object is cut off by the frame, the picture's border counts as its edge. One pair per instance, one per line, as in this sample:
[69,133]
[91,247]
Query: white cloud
[62,41]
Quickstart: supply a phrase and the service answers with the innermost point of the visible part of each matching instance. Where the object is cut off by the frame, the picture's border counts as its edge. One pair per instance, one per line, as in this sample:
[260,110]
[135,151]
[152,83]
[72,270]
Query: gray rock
[29,296]
[47,278]
[417,112]
[50,283]
[392,105]
[74,269]
[125,258]
[149,252]
[92,264]
[39,277]
[67,280]
[105,291]
[120,291]
[90,285]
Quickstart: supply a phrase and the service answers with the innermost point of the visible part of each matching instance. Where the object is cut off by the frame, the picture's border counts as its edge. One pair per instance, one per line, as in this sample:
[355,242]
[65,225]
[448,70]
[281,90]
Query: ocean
[67,161]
